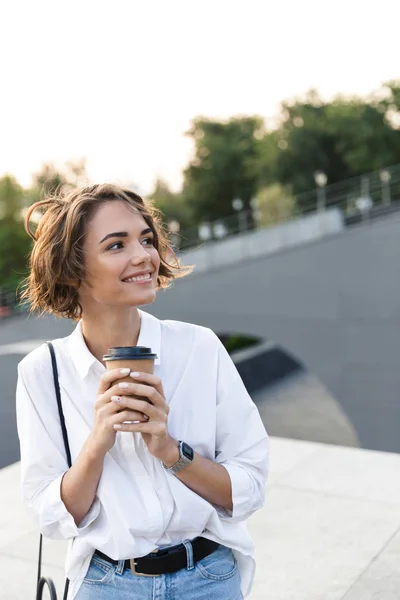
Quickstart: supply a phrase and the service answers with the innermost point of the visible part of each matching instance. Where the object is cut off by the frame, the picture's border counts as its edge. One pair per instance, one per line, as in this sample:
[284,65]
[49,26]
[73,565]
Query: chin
[148,298]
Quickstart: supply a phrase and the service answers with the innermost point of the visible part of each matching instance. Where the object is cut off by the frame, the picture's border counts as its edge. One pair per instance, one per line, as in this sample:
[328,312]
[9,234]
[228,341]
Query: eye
[148,240]
[118,244]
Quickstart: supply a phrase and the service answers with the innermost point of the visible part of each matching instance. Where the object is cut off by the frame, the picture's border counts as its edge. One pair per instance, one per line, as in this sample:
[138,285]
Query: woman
[155,508]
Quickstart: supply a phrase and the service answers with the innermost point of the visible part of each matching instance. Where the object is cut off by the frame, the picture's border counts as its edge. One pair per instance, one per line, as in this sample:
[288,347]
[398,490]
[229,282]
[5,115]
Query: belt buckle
[133,569]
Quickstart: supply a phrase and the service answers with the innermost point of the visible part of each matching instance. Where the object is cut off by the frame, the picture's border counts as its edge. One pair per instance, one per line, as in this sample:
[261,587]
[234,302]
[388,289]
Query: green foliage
[236,342]
[343,138]
[172,205]
[11,198]
[14,248]
[15,244]
[307,143]
[49,179]
[275,204]
[223,167]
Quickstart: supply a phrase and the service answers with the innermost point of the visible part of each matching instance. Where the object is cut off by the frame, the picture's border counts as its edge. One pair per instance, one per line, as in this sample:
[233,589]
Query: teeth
[139,278]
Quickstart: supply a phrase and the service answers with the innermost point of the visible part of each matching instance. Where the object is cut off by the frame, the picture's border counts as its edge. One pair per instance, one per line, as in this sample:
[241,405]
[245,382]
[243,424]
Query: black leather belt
[165,560]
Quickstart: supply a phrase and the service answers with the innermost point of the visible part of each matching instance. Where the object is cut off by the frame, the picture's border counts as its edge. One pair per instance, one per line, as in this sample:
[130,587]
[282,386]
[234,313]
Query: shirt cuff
[241,494]
[55,521]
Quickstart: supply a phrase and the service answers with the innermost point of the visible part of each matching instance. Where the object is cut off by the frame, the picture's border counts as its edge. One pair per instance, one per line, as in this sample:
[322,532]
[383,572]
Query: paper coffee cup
[135,358]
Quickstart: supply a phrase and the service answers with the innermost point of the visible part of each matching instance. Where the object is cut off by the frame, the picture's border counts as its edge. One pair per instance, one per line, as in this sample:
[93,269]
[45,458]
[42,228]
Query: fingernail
[124,371]
[117,426]
[135,374]
[115,398]
[123,385]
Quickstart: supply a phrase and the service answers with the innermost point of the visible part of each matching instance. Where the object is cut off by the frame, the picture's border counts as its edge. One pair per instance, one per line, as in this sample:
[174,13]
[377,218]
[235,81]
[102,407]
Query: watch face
[187,451]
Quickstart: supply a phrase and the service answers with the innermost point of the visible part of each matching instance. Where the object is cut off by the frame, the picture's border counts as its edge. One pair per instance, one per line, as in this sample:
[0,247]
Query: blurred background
[269,136]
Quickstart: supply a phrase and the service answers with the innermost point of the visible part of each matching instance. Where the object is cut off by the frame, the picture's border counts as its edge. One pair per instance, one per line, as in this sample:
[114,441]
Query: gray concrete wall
[334,304]
[265,241]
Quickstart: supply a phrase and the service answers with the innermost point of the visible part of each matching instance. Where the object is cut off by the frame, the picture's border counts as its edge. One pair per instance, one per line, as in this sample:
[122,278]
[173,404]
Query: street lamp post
[205,232]
[219,229]
[255,212]
[174,227]
[385,178]
[237,205]
[321,179]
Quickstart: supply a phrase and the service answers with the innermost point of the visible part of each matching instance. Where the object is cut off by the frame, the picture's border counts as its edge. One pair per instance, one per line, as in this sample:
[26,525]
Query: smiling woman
[166,466]
[72,225]
[121,266]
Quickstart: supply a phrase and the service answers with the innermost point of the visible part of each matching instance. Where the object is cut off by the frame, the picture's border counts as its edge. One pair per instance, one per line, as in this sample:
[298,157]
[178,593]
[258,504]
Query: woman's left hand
[154,431]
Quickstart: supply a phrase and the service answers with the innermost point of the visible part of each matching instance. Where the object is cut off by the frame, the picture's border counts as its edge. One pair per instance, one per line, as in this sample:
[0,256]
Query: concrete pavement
[330,528]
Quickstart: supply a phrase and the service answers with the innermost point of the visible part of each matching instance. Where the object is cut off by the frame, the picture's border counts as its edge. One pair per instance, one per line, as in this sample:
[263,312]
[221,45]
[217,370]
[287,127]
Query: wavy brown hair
[56,262]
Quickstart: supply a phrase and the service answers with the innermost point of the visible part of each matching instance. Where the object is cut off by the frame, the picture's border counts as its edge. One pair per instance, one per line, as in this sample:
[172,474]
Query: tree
[11,198]
[15,245]
[49,179]
[343,138]
[275,204]
[223,166]
[14,242]
[307,141]
[172,205]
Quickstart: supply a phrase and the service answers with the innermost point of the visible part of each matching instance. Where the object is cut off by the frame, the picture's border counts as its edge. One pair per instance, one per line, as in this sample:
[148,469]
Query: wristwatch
[186,455]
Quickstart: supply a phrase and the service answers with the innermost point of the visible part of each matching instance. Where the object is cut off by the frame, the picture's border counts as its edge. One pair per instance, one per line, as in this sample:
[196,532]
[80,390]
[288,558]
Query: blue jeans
[215,576]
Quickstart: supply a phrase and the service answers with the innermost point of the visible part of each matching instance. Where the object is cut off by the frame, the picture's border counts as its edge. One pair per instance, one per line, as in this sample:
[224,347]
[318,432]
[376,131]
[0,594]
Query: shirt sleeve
[43,456]
[242,444]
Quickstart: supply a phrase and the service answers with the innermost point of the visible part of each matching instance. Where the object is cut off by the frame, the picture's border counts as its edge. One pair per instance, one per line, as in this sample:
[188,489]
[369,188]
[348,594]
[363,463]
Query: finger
[118,389]
[128,415]
[139,389]
[107,409]
[138,405]
[158,430]
[109,377]
[149,379]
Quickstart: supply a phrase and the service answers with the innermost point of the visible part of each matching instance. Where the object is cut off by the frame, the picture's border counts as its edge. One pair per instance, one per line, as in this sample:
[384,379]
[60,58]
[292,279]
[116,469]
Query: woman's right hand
[108,413]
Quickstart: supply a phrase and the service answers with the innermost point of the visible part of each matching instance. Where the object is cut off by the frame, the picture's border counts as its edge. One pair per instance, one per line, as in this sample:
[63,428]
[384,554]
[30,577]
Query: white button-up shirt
[139,506]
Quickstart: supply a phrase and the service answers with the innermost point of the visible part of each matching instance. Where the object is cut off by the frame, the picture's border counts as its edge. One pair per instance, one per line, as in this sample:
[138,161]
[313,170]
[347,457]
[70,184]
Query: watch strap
[182,462]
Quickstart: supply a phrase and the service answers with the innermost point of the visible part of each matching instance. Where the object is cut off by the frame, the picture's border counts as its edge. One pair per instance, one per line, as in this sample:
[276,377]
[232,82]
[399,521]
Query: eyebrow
[124,234]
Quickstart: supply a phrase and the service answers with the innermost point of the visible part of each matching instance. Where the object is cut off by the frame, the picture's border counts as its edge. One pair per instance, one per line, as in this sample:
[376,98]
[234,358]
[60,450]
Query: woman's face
[121,263]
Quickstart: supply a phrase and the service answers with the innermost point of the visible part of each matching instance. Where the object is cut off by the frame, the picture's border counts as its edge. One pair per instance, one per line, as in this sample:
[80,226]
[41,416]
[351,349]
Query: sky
[119,82]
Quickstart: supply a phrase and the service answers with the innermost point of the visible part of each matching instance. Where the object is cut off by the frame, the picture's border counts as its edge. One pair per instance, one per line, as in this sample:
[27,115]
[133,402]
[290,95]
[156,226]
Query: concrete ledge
[264,241]
[330,528]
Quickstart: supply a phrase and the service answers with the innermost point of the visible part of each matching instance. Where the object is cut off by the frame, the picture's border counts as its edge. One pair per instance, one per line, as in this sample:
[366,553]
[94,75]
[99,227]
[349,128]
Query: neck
[102,332]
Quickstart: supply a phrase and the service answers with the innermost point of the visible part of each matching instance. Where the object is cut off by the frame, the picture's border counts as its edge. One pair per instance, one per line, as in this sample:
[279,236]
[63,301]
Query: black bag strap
[59,404]
[42,581]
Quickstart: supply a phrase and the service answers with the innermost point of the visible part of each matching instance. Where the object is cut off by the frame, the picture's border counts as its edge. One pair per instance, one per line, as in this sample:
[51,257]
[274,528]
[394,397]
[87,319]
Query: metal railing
[356,194]
[10,302]
[359,197]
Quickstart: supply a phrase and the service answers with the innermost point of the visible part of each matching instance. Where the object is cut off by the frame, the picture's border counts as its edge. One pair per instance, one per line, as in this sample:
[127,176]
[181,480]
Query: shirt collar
[83,359]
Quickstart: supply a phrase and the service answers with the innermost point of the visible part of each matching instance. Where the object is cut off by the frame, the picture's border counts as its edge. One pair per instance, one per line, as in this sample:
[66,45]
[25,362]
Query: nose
[140,255]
